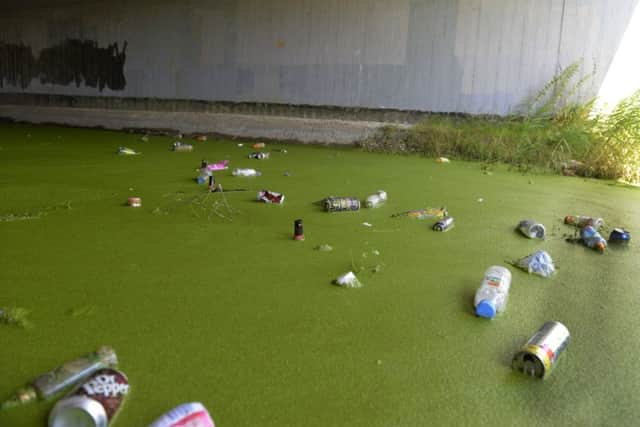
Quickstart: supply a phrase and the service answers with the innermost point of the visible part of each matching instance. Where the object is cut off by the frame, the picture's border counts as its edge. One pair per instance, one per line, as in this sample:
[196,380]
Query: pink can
[186,415]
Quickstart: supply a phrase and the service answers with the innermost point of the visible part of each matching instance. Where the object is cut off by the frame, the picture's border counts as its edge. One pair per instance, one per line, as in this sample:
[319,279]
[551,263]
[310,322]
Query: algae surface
[237,315]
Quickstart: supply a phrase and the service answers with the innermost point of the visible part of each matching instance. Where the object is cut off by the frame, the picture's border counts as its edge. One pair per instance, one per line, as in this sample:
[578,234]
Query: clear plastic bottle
[592,238]
[531,229]
[491,298]
[376,199]
[245,172]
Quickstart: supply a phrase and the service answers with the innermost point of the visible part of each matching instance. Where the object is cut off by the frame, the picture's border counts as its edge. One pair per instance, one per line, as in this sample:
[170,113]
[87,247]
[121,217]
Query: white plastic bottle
[376,199]
[491,297]
[245,172]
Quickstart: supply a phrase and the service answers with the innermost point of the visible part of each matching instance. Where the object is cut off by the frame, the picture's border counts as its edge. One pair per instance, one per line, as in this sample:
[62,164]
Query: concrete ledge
[237,125]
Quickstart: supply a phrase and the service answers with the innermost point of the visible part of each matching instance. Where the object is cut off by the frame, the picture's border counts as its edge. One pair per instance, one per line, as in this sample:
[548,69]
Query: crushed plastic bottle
[245,172]
[531,229]
[593,239]
[348,280]
[493,294]
[181,147]
[539,263]
[376,199]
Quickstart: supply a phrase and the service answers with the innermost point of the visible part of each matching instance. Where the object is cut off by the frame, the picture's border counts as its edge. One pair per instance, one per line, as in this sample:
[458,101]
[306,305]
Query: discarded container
[444,224]
[339,204]
[493,294]
[124,151]
[134,202]
[200,138]
[186,415]
[376,199]
[582,221]
[70,373]
[443,160]
[592,238]
[94,404]
[348,280]
[619,235]
[181,147]
[531,229]
[245,172]
[539,263]
[540,354]
[270,197]
[298,232]
[221,165]
[258,145]
[213,187]
[424,213]
[205,173]
[259,156]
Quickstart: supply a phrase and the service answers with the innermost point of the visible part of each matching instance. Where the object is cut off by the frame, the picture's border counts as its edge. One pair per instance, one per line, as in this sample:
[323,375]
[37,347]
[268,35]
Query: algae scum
[211,299]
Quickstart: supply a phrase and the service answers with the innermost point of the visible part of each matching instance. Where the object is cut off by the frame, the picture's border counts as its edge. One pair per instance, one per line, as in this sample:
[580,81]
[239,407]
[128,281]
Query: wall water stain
[72,61]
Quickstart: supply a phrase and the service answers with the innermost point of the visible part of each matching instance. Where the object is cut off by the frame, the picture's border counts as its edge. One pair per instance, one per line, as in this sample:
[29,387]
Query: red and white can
[135,202]
[94,403]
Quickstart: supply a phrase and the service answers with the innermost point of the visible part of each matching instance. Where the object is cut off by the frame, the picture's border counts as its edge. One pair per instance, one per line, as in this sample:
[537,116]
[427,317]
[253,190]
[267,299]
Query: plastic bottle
[376,199]
[592,238]
[491,298]
[52,382]
[245,172]
[583,221]
[205,173]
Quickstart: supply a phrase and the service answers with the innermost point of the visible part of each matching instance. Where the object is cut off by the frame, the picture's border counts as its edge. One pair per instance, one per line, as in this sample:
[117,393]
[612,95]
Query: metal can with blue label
[619,235]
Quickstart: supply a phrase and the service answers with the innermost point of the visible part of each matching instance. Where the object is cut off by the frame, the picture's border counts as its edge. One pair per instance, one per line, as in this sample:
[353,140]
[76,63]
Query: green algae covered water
[209,299]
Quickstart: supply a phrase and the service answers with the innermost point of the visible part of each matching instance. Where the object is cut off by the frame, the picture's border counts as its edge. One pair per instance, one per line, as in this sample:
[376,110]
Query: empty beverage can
[135,202]
[540,354]
[444,224]
[95,403]
[619,235]
[298,231]
[337,204]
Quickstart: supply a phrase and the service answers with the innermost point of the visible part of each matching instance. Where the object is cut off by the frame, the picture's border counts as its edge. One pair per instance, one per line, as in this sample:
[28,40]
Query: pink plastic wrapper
[221,165]
[186,415]
[270,197]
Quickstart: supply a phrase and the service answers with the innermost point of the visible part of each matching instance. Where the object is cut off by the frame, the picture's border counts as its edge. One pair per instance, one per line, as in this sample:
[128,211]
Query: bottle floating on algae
[47,385]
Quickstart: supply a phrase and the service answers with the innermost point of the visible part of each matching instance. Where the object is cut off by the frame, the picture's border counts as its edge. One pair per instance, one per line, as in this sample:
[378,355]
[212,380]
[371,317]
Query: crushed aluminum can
[340,204]
[540,354]
[539,263]
[444,224]
[187,415]
[619,235]
[134,202]
[270,197]
[94,403]
[531,229]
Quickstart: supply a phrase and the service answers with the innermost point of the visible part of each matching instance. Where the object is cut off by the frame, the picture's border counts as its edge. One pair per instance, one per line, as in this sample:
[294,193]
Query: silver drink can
[531,229]
[94,403]
[540,354]
[444,224]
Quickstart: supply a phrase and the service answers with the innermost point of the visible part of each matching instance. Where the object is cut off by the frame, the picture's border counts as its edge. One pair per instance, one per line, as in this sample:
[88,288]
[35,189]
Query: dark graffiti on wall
[70,61]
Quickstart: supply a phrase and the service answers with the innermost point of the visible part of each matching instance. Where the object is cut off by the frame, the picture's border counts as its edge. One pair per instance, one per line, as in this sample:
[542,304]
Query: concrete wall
[470,56]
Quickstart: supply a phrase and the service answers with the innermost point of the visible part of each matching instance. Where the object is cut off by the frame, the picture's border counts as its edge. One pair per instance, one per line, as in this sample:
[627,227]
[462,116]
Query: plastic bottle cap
[486,308]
